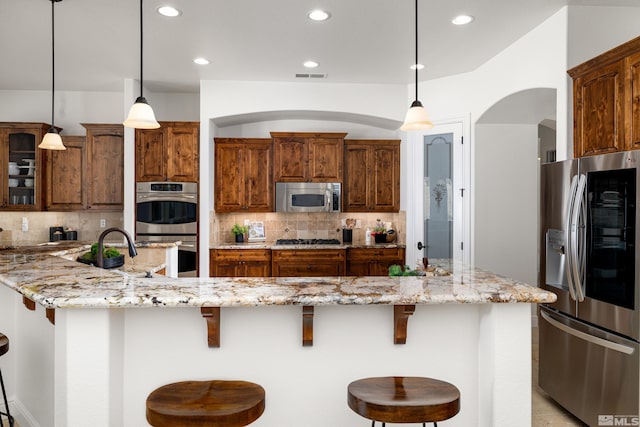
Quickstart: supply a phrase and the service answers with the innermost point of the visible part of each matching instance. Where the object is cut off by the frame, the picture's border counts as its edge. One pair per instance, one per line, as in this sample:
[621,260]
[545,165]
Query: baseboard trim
[22,416]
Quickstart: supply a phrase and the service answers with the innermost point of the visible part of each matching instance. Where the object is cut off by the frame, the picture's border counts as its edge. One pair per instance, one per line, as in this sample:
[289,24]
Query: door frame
[413,200]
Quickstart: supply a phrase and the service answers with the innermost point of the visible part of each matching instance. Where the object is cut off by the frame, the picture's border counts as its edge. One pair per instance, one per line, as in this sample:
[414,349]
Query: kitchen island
[118,336]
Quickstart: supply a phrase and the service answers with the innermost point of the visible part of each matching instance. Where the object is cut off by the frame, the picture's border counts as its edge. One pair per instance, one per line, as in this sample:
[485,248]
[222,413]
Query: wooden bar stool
[4,347]
[403,400]
[205,403]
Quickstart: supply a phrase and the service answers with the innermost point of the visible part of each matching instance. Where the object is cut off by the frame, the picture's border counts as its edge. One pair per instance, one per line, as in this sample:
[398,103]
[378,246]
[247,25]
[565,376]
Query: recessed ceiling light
[318,15]
[310,64]
[462,20]
[201,61]
[418,66]
[169,11]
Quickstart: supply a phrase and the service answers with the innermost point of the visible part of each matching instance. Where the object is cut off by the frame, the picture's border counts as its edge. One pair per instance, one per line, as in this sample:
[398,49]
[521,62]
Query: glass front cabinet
[21,173]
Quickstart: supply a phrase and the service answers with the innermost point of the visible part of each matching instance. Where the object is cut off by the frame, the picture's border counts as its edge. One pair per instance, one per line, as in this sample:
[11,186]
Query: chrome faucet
[132,248]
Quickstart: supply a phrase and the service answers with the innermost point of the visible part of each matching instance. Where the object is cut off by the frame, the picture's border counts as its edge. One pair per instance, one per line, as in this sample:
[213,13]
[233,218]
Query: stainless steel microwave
[308,196]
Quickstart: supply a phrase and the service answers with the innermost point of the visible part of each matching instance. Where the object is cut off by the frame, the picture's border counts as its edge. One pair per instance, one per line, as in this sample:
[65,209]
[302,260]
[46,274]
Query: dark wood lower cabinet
[373,261]
[308,262]
[303,262]
[240,263]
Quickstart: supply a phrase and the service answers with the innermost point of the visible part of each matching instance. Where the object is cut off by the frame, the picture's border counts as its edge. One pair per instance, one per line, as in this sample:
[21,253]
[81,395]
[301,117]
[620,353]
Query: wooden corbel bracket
[401,315]
[307,326]
[212,316]
[51,315]
[31,305]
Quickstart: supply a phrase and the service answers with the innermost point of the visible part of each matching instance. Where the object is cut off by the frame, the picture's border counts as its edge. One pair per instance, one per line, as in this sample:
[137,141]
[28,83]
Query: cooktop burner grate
[307,242]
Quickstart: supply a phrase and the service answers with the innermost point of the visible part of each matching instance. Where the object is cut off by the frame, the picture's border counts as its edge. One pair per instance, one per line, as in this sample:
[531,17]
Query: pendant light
[416,118]
[52,140]
[141,114]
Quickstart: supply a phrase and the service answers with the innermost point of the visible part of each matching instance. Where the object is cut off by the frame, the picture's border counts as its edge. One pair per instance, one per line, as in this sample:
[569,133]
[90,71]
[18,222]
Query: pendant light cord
[141,32]
[416,64]
[53,59]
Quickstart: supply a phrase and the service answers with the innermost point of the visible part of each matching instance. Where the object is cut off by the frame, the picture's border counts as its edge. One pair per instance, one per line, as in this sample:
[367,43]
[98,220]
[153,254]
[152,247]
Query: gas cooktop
[307,242]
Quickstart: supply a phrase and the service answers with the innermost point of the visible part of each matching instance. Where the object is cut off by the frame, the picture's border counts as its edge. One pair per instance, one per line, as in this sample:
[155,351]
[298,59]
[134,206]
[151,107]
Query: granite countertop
[55,282]
[274,246]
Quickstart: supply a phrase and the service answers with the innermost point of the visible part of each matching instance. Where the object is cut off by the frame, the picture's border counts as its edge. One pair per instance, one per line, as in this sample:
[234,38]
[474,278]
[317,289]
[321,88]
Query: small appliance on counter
[58,233]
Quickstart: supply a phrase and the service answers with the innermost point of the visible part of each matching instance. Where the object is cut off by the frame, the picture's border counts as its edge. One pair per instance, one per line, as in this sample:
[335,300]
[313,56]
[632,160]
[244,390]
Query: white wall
[71,108]
[507,211]
[262,129]
[595,29]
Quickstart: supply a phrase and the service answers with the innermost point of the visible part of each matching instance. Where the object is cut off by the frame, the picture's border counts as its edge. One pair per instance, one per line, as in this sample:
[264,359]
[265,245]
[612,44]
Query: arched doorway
[506,181]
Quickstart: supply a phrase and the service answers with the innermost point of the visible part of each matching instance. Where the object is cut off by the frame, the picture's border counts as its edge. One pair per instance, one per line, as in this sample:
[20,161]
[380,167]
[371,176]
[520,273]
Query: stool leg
[6,404]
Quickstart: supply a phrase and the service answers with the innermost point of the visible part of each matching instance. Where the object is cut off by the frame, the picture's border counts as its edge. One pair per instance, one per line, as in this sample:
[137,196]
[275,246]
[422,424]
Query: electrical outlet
[247,221]
[25,224]
[358,223]
[103,223]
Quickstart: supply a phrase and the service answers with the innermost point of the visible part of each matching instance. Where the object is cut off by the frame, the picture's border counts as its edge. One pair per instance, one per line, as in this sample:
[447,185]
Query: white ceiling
[365,41]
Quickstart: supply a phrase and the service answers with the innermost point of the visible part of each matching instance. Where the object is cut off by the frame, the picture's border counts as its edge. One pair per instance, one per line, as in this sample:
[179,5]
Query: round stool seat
[4,344]
[205,403]
[404,399]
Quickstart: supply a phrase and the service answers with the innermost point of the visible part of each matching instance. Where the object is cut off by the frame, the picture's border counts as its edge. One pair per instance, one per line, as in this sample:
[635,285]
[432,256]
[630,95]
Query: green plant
[379,227]
[106,252]
[397,270]
[239,229]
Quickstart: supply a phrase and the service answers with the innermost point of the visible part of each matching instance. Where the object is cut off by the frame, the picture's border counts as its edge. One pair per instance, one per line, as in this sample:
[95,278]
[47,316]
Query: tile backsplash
[87,224]
[304,225]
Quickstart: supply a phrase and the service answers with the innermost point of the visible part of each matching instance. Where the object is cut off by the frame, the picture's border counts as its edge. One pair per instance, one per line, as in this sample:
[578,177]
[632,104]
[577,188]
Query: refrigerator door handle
[568,233]
[578,213]
[586,337]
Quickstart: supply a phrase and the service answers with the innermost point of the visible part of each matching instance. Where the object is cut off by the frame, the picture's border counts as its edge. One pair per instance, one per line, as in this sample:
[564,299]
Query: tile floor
[545,411]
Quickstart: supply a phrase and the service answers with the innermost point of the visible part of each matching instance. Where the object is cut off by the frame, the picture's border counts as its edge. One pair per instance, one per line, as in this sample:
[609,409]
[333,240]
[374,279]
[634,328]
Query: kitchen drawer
[240,262]
[241,254]
[373,261]
[308,263]
[369,253]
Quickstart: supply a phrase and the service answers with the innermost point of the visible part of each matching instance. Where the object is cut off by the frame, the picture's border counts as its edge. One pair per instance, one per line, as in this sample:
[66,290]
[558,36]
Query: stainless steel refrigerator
[590,338]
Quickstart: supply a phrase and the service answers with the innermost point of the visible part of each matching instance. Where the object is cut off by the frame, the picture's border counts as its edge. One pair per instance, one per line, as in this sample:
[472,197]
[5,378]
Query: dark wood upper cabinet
[606,101]
[243,175]
[372,176]
[89,174]
[65,187]
[105,153]
[169,153]
[308,156]
[21,186]
[634,73]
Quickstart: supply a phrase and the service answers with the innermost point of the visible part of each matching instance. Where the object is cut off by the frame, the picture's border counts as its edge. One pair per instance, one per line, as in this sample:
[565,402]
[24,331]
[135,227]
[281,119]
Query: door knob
[420,247]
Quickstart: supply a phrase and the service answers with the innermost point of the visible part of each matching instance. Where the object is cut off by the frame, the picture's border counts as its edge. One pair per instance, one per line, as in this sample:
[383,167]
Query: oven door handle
[587,337]
[165,197]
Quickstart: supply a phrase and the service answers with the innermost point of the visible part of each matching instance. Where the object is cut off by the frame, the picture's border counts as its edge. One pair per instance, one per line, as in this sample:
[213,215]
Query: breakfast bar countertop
[55,282]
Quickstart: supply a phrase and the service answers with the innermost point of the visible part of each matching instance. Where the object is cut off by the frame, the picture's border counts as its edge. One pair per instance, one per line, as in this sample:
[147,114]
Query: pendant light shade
[52,140]
[141,114]
[417,117]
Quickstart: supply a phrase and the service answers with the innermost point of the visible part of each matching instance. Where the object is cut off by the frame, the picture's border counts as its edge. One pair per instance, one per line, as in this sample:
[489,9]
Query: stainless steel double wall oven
[167,212]
[590,337]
